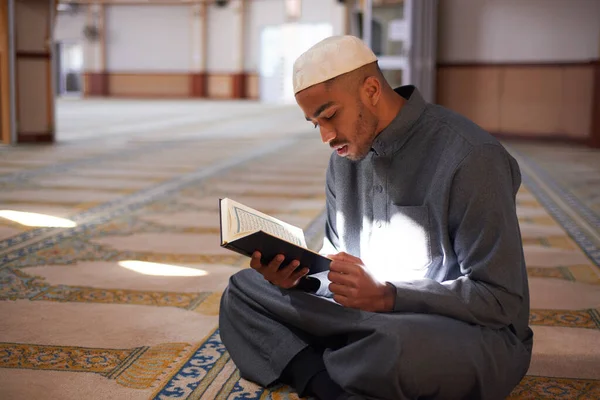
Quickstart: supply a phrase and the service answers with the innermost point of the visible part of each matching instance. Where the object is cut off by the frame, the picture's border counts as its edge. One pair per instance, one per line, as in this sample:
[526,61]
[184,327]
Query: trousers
[391,356]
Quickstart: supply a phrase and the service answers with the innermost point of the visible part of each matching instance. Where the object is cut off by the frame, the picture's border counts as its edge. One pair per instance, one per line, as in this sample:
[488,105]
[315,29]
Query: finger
[343,256]
[255,261]
[273,266]
[286,272]
[288,276]
[340,290]
[295,277]
[344,267]
[342,300]
[342,279]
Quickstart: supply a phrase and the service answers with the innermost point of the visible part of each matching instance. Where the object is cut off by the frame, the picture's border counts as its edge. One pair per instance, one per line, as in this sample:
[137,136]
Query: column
[594,140]
[198,81]
[6,70]
[33,71]
[240,78]
[96,80]
[226,77]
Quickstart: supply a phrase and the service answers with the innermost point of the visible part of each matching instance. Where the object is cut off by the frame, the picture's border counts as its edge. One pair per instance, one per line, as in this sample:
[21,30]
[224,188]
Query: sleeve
[330,240]
[484,231]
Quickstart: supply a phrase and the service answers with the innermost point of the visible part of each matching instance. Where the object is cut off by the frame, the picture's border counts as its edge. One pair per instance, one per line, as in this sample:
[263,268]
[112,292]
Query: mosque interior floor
[117,296]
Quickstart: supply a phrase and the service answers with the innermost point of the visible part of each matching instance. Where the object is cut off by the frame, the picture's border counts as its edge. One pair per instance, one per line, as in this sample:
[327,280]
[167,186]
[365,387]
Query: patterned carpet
[124,304]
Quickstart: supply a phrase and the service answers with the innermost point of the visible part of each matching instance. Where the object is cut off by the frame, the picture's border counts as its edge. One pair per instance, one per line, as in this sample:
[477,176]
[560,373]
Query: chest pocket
[401,249]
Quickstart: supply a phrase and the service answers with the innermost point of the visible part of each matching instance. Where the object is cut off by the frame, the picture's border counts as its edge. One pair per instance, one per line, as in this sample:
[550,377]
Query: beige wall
[523,100]
[224,42]
[143,40]
[513,31]
[151,38]
[520,67]
[252,86]
[148,85]
[220,86]
[69,27]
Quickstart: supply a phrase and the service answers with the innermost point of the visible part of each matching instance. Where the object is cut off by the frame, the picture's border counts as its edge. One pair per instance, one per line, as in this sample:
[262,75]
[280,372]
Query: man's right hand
[286,277]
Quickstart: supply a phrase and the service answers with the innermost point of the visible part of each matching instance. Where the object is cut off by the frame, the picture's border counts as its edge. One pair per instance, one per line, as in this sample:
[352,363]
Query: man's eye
[331,116]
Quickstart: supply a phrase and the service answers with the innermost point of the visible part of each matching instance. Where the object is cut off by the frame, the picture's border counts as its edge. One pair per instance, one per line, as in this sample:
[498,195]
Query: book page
[248,221]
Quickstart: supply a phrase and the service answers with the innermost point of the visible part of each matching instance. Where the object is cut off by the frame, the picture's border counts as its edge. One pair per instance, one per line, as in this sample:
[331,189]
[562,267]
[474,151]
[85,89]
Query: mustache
[335,144]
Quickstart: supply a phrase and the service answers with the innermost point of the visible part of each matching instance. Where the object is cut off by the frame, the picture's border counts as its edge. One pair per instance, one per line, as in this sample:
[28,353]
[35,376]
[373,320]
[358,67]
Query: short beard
[365,131]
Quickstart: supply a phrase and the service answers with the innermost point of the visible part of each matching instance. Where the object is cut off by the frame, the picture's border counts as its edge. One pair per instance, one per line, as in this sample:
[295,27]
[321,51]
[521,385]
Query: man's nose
[327,135]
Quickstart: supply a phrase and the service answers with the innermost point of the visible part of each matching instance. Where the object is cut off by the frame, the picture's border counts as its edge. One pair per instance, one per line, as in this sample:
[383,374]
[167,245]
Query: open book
[245,230]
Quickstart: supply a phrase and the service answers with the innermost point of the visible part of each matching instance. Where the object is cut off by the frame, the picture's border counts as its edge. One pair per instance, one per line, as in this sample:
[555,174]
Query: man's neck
[390,108]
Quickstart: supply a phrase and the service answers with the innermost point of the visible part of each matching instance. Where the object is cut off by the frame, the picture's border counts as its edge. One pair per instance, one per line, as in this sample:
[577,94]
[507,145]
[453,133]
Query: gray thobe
[431,210]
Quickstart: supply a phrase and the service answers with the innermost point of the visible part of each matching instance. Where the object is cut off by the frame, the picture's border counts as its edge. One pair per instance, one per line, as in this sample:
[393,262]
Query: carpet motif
[582,239]
[14,225]
[15,284]
[131,225]
[124,191]
[60,252]
[204,370]
[62,358]
[21,238]
[574,273]
[170,206]
[585,273]
[137,368]
[530,387]
[73,250]
[544,220]
[76,204]
[578,188]
[534,387]
[127,204]
[578,233]
[552,272]
[87,160]
[589,319]
[206,362]
[210,305]
[119,296]
[210,374]
[209,365]
[557,242]
[152,366]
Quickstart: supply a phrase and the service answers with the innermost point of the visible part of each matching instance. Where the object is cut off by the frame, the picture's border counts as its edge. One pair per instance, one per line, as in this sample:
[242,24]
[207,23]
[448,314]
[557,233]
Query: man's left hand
[353,286]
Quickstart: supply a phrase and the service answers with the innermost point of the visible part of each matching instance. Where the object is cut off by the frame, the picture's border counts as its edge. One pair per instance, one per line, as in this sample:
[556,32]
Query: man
[427,293]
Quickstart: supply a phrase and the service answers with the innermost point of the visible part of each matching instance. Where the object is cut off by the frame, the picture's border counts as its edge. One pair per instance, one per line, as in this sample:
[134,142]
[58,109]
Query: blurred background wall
[521,68]
[213,49]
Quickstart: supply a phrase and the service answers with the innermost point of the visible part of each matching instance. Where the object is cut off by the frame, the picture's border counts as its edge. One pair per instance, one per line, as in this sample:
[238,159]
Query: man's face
[345,122]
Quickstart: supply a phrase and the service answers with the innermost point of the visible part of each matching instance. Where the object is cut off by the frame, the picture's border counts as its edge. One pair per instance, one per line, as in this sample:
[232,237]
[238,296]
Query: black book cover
[270,246]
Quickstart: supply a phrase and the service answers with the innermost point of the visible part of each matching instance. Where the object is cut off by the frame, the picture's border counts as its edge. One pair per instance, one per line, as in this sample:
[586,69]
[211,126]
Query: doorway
[280,45]
[69,60]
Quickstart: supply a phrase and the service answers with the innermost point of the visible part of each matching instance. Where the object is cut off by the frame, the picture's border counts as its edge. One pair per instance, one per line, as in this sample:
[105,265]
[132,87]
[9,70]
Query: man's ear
[372,89]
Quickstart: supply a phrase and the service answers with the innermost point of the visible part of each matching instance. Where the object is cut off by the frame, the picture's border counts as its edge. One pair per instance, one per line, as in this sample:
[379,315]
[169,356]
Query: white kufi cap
[329,58]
